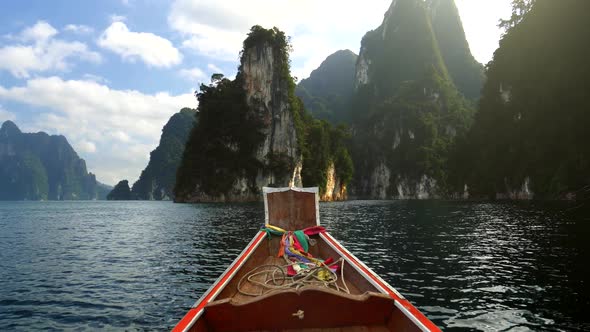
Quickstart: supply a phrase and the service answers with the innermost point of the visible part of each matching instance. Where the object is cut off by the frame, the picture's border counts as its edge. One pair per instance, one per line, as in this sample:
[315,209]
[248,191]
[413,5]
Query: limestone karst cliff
[466,73]
[530,135]
[38,166]
[266,82]
[406,112]
[121,192]
[156,181]
[253,131]
[326,93]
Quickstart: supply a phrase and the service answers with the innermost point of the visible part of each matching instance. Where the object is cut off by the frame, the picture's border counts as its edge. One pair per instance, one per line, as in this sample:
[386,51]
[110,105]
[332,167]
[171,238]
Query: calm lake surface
[141,265]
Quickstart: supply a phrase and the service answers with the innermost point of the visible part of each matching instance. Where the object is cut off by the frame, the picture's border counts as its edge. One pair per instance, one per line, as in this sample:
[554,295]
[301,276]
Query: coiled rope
[276,277]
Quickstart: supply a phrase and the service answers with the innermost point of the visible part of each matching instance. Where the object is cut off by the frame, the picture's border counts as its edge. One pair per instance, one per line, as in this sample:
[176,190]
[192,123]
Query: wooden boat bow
[352,299]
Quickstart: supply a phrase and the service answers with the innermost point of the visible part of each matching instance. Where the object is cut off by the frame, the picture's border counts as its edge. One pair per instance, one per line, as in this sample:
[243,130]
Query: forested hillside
[531,133]
[38,166]
[328,90]
[157,179]
[406,112]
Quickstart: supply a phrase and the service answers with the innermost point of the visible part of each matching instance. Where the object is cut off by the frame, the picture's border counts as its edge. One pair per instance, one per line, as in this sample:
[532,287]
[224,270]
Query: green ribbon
[302,240]
[271,232]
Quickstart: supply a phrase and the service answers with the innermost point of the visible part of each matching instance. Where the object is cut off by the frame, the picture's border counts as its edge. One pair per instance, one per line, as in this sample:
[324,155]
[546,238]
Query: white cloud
[319,28]
[42,52]
[193,74]
[114,130]
[121,136]
[39,32]
[118,18]
[214,68]
[150,48]
[5,115]
[215,43]
[79,29]
[85,147]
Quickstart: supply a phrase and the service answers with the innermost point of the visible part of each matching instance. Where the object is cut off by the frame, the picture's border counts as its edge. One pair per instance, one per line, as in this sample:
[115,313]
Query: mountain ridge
[327,91]
[38,166]
[406,110]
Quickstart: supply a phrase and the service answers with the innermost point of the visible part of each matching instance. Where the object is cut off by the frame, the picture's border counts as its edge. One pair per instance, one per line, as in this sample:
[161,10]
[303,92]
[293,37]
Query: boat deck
[337,329]
[324,308]
[239,298]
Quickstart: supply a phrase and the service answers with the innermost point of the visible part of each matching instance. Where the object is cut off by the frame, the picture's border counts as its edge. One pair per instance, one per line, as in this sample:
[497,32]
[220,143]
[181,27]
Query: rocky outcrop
[254,132]
[530,135]
[156,181]
[407,111]
[522,193]
[379,182]
[267,96]
[246,137]
[362,70]
[335,189]
[467,74]
[121,192]
[37,166]
[382,184]
[425,188]
[327,92]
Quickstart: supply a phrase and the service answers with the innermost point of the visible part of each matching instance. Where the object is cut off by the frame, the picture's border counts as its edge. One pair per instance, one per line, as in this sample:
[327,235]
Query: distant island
[37,166]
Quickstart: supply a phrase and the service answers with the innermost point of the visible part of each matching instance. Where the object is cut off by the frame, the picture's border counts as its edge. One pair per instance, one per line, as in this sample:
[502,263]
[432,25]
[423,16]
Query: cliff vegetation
[121,192]
[531,132]
[157,179]
[37,166]
[253,131]
[327,92]
[407,111]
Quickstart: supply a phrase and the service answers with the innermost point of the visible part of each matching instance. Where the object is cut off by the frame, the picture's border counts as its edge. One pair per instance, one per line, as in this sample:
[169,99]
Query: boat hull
[368,303]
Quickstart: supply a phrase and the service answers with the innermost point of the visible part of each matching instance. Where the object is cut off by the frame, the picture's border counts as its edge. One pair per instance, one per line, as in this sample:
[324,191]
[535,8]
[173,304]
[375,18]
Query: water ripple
[476,266]
[141,265]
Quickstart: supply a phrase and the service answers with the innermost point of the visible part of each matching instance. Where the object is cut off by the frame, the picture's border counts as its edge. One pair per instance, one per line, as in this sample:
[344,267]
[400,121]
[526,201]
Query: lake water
[141,265]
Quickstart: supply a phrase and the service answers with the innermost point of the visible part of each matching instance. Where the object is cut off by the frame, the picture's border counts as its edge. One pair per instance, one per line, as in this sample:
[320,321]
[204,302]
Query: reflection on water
[491,267]
[141,265]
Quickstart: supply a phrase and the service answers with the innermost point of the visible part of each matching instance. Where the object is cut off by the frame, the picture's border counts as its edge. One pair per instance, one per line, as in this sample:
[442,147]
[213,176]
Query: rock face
[120,192]
[406,110]
[267,96]
[254,132]
[157,179]
[536,96]
[523,193]
[467,74]
[327,91]
[335,189]
[254,143]
[37,166]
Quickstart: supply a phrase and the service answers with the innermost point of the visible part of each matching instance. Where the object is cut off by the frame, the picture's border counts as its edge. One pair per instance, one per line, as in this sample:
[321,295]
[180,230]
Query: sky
[109,74]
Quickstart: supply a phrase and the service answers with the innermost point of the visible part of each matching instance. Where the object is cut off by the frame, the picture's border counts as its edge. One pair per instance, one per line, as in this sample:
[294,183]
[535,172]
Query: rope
[303,278]
[309,270]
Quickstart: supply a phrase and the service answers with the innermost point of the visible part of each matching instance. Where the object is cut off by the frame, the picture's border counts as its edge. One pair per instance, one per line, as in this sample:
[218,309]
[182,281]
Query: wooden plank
[292,210]
[321,309]
[344,329]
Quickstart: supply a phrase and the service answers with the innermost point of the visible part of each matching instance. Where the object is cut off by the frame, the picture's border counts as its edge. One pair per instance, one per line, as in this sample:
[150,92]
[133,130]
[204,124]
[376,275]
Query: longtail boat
[294,276]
